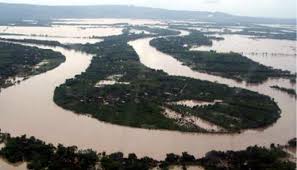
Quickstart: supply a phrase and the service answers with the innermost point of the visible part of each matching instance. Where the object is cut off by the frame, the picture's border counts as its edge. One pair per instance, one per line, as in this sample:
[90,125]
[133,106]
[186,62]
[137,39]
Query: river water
[28,108]
[279,54]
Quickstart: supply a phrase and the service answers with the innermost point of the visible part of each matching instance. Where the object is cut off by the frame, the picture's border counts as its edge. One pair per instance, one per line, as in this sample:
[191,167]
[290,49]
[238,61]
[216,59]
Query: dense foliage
[22,61]
[292,142]
[39,155]
[155,30]
[33,41]
[253,30]
[139,95]
[255,158]
[230,65]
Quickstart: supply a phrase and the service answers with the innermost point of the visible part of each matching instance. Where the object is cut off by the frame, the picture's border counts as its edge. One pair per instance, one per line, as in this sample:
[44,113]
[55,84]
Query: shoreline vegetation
[255,31]
[138,95]
[40,155]
[286,90]
[229,65]
[18,62]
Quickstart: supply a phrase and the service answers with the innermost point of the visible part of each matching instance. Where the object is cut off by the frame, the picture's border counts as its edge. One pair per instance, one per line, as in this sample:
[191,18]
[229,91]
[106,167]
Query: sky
[259,8]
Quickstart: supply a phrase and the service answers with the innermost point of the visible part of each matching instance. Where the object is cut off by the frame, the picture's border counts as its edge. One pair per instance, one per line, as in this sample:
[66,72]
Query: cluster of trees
[257,31]
[230,65]
[286,90]
[155,30]
[40,155]
[292,142]
[117,161]
[140,102]
[33,41]
[256,158]
[235,114]
[269,35]
[19,60]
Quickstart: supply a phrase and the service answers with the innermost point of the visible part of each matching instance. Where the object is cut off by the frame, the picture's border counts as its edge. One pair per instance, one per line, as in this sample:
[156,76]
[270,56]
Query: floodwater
[65,34]
[285,126]
[192,103]
[107,21]
[62,40]
[28,108]
[185,120]
[62,31]
[279,54]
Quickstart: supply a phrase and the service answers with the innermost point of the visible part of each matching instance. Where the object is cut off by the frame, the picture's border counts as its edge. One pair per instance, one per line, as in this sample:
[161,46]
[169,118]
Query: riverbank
[40,155]
[229,65]
[18,62]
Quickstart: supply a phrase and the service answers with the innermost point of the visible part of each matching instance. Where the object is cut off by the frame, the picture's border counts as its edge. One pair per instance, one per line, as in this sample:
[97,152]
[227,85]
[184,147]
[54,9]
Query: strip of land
[286,90]
[40,155]
[229,65]
[18,62]
[117,88]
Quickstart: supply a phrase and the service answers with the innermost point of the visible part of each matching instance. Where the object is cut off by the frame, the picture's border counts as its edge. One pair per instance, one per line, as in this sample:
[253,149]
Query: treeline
[157,31]
[256,31]
[40,155]
[286,90]
[141,100]
[34,41]
[256,158]
[229,65]
[19,60]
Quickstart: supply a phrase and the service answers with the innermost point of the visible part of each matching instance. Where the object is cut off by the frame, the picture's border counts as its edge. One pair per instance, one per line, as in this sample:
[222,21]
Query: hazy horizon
[254,8]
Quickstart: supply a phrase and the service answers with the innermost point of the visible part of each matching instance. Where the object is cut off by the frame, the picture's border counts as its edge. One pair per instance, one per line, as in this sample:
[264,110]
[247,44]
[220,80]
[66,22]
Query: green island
[117,88]
[18,61]
[40,155]
[34,41]
[255,31]
[267,34]
[286,90]
[229,65]
[155,30]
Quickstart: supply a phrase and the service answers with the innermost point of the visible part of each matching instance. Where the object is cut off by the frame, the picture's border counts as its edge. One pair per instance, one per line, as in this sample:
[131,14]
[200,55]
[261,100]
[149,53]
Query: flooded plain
[28,108]
[106,21]
[279,54]
[63,40]
[62,31]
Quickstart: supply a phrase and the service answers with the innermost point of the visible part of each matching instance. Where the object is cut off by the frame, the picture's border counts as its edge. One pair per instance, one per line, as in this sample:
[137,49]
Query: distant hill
[17,12]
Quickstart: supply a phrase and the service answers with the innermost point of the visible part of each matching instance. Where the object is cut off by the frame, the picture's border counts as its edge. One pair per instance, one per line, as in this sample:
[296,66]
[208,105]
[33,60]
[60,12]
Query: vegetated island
[18,62]
[34,41]
[255,31]
[117,88]
[40,155]
[229,65]
[286,90]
